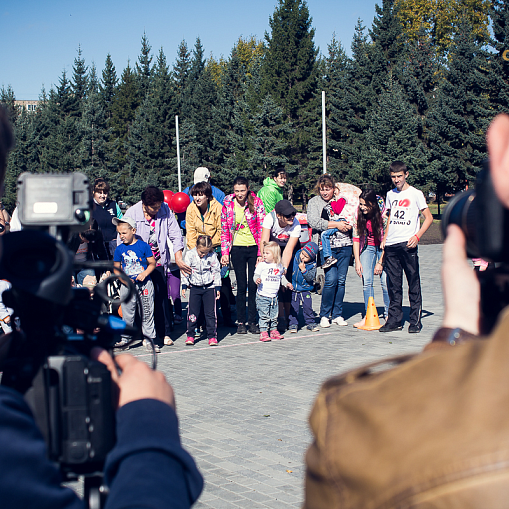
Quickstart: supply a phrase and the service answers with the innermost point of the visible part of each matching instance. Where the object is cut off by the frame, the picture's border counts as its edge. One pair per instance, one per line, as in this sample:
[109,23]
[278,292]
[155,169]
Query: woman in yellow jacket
[203,217]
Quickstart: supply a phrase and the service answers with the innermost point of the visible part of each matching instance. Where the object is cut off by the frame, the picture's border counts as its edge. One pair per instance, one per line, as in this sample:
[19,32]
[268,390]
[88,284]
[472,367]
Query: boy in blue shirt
[303,281]
[137,260]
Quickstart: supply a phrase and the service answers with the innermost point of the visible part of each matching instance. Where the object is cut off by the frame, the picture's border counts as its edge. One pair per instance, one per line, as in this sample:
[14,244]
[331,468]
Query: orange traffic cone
[372,321]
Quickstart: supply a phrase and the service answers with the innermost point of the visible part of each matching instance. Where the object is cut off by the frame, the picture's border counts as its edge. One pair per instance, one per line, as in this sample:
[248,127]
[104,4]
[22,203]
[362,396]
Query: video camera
[49,361]
[485,224]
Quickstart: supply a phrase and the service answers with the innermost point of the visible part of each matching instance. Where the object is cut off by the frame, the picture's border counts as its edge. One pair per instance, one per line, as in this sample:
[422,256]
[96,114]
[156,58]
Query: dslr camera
[49,360]
[485,224]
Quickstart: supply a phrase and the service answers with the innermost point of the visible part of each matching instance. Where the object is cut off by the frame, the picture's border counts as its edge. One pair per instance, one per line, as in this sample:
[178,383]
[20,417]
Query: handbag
[431,432]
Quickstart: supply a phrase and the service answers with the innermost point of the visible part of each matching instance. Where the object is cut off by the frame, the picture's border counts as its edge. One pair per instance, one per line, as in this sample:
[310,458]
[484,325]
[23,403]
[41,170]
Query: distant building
[27,105]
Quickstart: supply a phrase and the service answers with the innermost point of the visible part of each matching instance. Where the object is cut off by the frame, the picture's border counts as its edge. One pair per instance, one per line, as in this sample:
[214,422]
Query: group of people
[259,236]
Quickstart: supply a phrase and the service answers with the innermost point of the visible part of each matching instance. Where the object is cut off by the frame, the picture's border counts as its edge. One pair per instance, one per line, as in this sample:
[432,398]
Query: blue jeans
[268,309]
[325,236]
[79,276]
[369,257]
[333,291]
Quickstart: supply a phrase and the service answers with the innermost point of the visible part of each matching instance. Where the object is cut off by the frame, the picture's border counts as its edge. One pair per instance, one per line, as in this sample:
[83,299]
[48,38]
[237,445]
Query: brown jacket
[430,433]
[210,224]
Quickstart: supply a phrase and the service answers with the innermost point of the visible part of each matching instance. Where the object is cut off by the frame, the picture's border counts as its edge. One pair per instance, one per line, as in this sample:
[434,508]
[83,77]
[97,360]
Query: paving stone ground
[244,405]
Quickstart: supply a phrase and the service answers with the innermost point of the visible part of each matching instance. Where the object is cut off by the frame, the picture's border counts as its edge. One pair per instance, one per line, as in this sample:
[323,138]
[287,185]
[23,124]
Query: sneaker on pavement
[148,346]
[293,328]
[189,340]
[122,345]
[264,336]
[168,341]
[241,329]
[274,334]
[339,321]
[329,262]
[324,322]
[313,327]
[390,327]
[414,328]
[253,328]
[212,342]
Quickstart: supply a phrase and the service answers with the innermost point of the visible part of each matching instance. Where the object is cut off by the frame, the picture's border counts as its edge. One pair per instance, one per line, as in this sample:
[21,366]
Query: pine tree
[460,115]
[499,62]
[79,85]
[189,161]
[108,85]
[7,100]
[143,70]
[181,70]
[92,79]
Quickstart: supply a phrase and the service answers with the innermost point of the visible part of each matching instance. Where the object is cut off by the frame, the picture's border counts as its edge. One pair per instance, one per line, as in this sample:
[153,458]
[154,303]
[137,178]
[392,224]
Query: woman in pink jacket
[241,230]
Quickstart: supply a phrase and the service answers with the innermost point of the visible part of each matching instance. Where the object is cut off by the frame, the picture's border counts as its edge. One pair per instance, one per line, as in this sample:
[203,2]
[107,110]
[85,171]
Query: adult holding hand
[203,217]
[282,226]
[320,214]
[241,228]
[156,224]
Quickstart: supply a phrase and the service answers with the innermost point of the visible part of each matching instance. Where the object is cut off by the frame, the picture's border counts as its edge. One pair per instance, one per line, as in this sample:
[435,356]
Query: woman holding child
[321,217]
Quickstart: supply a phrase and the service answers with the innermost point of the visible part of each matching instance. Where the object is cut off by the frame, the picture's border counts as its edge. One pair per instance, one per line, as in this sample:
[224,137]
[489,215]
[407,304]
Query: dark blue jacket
[303,282]
[147,468]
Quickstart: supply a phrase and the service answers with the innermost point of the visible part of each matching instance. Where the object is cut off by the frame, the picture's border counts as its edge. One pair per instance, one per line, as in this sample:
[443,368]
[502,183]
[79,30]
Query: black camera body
[485,224]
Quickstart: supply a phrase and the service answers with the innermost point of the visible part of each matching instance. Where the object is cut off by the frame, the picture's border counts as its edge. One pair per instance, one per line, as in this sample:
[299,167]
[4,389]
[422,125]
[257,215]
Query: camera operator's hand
[137,381]
[461,288]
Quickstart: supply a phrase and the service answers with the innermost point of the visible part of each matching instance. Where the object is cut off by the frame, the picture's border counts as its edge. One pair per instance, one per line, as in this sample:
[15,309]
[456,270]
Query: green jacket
[270,194]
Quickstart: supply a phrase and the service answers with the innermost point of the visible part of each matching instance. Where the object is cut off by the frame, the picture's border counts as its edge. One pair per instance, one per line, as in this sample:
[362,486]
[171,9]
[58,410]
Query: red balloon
[180,202]
[168,195]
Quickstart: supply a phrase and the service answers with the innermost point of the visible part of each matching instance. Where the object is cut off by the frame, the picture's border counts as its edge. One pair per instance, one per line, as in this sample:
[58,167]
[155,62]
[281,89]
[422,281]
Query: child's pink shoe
[189,340]
[274,334]
[264,336]
[212,342]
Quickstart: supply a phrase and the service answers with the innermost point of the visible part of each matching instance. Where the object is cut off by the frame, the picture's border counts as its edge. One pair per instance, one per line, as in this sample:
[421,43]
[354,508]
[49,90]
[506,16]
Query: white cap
[201,174]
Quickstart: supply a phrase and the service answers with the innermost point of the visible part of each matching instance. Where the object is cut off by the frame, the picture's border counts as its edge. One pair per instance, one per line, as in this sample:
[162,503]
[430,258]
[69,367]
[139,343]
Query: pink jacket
[254,221]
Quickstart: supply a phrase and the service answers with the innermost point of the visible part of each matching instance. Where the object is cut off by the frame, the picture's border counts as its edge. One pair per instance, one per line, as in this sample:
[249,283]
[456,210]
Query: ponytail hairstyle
[204,241]
[274,248]
[374,215]
[243,181]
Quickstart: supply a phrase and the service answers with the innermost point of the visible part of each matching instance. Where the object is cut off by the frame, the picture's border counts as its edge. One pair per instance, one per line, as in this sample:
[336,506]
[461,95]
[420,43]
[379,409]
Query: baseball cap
[201,174]
[285,208]
[128,220]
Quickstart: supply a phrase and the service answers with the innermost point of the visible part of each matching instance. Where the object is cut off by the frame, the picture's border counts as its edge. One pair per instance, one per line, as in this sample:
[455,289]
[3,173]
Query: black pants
[163,317]
[244,262]
[202,299]
[399,258]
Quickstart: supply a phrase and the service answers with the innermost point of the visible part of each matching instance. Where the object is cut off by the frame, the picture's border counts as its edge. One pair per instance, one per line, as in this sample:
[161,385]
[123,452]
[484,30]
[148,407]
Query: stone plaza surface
[244,405]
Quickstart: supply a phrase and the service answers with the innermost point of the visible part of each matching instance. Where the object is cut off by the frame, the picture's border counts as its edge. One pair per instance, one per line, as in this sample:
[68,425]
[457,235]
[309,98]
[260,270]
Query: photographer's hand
[137,381]
[461,288]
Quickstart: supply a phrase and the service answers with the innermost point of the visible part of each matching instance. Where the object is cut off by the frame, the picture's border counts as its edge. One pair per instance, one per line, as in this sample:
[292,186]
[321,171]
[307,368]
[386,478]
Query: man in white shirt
[404,205]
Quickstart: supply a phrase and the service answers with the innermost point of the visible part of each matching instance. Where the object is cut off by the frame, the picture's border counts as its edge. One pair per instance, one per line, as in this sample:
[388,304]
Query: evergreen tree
[181,70]
[268,141]
[79,85]
[189,158]
[143,70]
[459,118]
[387,47]
[7,100]
[499,62]
[108,85]
[93,80]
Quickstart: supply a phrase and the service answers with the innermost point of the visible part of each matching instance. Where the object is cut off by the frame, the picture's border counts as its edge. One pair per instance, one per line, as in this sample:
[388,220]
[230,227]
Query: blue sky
[39,39]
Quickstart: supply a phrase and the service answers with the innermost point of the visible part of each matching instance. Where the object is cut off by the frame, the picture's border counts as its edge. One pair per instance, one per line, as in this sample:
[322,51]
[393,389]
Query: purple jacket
[166,227]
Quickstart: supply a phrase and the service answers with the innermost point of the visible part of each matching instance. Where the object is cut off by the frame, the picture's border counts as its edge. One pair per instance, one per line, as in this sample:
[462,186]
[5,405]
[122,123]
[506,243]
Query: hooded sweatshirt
[270,194]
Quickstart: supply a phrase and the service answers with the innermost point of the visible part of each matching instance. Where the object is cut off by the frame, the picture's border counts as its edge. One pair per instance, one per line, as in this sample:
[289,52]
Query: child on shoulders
[268,275]
[303,277]
[337,205]
[205,287]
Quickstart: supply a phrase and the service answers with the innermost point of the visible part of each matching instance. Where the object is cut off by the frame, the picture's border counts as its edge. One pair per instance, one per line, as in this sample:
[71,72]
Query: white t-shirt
[270,274]
[405,208]
[278,234]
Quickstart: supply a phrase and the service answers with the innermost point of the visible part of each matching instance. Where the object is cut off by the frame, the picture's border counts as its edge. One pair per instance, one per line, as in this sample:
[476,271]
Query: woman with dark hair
[104,209]
[155,224]
[241,229]
[367,238]
[319,215]
[203,217]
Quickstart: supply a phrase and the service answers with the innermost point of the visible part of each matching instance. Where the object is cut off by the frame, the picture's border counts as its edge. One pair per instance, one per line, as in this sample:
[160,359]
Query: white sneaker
[339,321]
[324,322]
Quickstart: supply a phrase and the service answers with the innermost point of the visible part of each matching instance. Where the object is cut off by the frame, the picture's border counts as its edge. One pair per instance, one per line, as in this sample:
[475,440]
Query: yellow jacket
[210,224]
